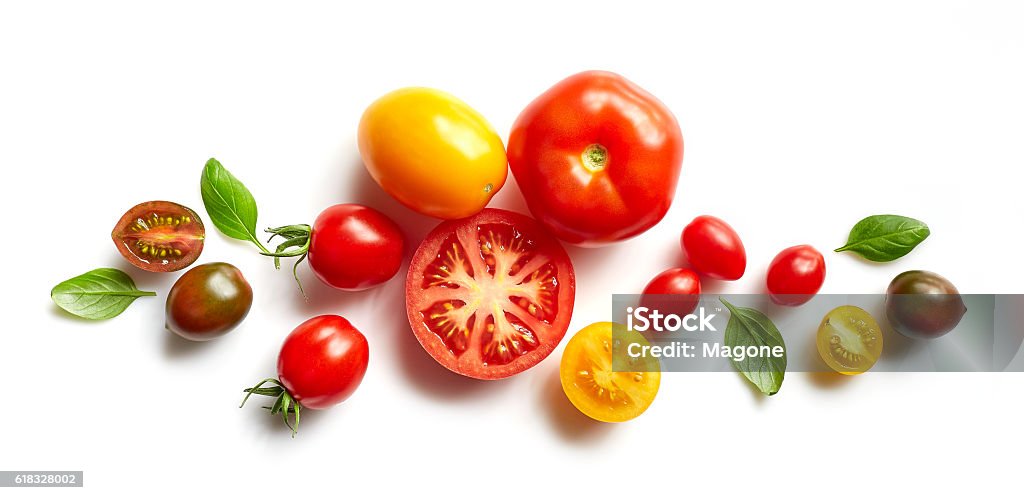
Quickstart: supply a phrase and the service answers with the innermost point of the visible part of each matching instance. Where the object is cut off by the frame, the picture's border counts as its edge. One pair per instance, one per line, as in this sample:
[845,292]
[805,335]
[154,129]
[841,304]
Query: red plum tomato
[795,275]
[714,249]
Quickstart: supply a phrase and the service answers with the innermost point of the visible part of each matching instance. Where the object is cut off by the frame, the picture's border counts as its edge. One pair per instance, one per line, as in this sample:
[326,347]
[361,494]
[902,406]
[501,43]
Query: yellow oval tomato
[432,152]
[594,388]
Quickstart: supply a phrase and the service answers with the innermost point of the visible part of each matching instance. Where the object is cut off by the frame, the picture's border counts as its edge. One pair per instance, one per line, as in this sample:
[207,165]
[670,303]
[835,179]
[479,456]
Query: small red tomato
[323,361]
[354,247]
[320,365]
[795,275]
[714,249]
[350,247]
[598,158]
[663,292]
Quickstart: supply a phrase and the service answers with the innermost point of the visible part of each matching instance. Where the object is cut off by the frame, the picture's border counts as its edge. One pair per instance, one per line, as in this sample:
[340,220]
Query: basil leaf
[229,203]
[884,238]
[750,327]
[98,294]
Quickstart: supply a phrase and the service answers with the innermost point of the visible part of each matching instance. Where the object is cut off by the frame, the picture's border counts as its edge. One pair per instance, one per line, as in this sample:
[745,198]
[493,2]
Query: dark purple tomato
[923,305]
[208,301]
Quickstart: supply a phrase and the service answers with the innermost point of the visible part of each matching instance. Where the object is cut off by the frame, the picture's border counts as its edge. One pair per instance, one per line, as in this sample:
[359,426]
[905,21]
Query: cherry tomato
[432,152]
[490,295]
[714,249]
[849,340]
[353,247]
[675,291]
[597,158]
[208,301]
[321,363]
[795,275]
[923,305]
[597,390]
[159,236]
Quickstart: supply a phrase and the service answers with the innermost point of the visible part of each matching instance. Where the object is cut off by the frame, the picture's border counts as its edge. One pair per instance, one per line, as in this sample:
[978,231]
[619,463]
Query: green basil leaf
[229,203]
[884,238]
[98,294]
[750,327]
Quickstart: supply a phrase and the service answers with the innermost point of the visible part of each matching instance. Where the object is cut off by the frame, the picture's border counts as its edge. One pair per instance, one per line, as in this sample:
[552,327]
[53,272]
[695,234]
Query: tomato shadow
[431,379]
[272,427]
[568,422]
[177,347]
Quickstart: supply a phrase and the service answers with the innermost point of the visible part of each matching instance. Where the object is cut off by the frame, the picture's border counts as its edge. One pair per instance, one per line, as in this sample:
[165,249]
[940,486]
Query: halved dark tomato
[159,236]
[490,295]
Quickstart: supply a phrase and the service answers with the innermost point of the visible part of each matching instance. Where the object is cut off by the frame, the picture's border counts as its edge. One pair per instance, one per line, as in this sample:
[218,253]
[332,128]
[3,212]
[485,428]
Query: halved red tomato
[490,295]
[159,236]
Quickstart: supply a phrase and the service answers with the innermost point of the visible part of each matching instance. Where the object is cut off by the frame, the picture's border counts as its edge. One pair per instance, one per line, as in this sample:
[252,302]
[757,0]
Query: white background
[799,117]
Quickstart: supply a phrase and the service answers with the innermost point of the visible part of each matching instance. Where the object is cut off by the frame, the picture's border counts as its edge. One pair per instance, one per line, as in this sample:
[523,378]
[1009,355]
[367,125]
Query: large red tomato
[597,158]
[490,295]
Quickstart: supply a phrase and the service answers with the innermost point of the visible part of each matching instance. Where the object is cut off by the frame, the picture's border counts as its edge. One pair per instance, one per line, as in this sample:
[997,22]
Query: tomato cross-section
[159,236]
[490,295]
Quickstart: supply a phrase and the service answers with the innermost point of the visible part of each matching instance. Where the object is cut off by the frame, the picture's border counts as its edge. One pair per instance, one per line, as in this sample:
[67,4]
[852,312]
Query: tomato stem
[295,244]
[595,158]
[284,403]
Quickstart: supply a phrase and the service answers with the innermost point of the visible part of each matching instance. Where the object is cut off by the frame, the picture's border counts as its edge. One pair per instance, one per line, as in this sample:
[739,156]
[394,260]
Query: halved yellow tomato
[597,390]
[849,340]
[432,152]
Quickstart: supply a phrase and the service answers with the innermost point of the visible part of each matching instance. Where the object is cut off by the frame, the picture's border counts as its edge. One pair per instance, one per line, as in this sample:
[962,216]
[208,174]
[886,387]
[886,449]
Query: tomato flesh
[159,236]
[849,340]
[490,295]
[595,388]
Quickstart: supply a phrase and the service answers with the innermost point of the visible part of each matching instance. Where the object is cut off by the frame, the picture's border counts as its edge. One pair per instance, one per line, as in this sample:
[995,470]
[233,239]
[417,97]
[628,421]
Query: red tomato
[714,249]
[597,158]
[323,361]
[354,247]
[160,236]
[320,365]
[662,293]
[795,275]
[490,295]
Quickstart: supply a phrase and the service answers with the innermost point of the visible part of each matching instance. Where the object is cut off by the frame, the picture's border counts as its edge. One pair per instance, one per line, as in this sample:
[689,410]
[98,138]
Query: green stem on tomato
[284,403]
[295,244]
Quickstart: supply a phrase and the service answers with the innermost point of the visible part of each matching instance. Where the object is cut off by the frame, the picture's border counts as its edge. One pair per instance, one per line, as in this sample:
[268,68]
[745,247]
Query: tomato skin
[354,247]
[795,275]
[323,361]
[432,152]
[159,236]
[208,301]
[675,281]
[714,249]
[923,305]
[490,292]
[625,192]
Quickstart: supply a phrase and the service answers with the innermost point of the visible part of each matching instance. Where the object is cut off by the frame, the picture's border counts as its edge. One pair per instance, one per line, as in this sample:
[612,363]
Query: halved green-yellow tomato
[849,340]
[592,385]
